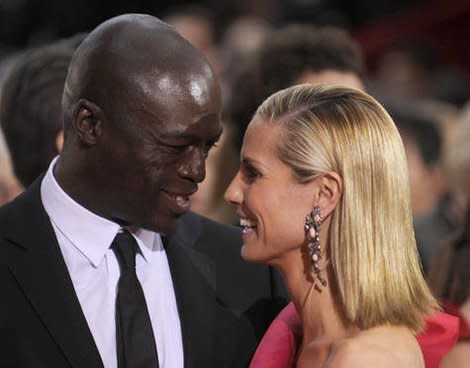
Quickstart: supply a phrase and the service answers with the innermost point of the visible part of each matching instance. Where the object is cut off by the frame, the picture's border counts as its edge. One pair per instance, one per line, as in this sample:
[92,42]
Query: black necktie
[134,335]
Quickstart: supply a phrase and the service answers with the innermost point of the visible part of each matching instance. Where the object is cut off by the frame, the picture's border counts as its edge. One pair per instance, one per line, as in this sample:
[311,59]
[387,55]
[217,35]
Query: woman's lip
[247,233]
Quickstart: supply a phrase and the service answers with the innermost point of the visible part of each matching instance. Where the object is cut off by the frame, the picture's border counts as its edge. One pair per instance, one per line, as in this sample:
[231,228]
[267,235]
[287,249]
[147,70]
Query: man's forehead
[194,82]
[171,96]
[176,120]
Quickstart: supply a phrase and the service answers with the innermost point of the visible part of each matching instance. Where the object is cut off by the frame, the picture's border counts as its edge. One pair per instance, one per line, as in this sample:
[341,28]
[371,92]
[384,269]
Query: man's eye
[175,149]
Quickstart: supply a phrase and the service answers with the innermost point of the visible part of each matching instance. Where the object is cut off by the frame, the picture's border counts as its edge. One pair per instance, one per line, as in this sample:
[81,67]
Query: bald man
[141,110]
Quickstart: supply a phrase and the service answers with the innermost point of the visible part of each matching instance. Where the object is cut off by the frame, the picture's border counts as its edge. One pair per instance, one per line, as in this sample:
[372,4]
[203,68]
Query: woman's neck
[320,316]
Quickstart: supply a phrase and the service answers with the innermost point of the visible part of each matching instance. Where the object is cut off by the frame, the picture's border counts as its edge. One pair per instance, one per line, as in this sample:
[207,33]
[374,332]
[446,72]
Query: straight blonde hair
[372,249]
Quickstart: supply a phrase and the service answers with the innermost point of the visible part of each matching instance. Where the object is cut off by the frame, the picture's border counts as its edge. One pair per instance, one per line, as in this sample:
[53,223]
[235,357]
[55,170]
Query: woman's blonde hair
[372,248]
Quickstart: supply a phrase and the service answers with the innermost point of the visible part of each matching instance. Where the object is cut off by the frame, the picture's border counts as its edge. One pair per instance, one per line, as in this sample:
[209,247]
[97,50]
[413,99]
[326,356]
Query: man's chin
[164,226]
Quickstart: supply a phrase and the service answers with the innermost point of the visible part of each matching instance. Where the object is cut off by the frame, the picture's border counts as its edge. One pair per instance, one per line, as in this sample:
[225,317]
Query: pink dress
[278,346]
[464,331]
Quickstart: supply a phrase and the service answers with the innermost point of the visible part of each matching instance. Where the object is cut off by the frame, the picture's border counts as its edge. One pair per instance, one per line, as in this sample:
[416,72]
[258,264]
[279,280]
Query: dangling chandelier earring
[312,230]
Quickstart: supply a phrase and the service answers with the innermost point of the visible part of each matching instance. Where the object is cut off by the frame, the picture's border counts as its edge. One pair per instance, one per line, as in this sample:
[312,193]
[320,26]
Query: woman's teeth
[247,225]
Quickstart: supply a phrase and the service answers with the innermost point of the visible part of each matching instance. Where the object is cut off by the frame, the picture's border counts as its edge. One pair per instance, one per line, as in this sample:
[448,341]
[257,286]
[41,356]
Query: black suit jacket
[224,304]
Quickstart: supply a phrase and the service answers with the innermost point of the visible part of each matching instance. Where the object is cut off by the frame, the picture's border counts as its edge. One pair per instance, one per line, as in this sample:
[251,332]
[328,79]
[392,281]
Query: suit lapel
[42,275]
[194,283]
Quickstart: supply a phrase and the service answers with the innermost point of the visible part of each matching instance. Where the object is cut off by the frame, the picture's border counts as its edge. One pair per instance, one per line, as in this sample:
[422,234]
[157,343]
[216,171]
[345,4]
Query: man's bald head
[127,58]
[141,111]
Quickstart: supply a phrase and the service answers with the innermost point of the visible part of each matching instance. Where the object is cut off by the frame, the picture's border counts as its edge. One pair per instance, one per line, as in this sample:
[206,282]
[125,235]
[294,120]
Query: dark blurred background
[442,26]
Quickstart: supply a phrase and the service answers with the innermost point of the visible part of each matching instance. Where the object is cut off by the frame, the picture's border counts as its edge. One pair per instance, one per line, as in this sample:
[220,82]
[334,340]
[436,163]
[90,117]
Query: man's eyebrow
[177,135]
[142,108]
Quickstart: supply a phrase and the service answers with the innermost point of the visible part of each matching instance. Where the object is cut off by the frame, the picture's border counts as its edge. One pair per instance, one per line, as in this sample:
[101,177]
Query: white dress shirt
[85,239]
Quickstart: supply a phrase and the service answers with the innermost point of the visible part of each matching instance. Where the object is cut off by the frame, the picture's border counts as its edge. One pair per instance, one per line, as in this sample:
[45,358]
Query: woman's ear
[330,191]
[87,120]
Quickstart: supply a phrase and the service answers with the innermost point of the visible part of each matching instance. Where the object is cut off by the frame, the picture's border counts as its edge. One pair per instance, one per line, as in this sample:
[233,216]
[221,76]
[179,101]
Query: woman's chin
[248,254]
[252,254]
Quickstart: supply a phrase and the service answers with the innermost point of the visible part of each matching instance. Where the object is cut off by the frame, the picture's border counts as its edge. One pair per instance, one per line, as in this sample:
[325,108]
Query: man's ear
[87,120]
[330,191]
[59,141]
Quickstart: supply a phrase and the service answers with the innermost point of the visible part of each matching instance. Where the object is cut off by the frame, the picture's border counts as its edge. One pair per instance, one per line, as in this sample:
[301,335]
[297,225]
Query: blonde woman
[323,196]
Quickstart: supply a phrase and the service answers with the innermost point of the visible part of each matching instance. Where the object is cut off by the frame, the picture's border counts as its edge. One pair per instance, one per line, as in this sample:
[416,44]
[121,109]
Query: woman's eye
[251,173]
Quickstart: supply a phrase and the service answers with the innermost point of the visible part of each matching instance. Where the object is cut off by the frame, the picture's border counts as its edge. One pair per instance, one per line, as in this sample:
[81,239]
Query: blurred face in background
[331,76]
[426,181]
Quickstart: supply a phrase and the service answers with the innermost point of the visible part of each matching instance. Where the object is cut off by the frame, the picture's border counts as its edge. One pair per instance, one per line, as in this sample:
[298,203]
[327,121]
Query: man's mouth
[181,200]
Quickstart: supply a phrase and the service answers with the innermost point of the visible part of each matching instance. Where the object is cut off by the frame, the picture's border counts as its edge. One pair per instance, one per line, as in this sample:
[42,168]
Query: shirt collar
[88,232]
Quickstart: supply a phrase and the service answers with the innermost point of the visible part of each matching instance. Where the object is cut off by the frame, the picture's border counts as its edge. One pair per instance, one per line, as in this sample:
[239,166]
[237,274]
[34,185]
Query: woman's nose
[233,193]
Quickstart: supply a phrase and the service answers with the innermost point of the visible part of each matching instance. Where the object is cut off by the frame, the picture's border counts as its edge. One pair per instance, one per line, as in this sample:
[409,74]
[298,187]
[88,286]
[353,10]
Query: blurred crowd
[254,57]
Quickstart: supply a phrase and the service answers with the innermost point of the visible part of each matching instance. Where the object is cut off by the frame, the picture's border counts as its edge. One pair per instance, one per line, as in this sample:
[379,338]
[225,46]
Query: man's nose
[194,166]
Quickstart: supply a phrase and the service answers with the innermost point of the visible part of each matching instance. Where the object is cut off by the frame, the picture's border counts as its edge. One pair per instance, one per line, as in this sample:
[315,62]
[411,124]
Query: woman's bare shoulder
[353,353]
[457,357]
[378,347]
